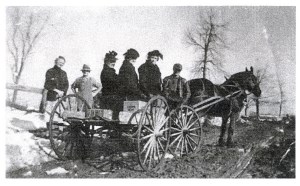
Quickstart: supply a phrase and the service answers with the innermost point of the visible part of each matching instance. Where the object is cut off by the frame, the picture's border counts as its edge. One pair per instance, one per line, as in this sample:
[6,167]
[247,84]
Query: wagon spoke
[185,116]
[175,134]
[62,104]
[148,129]
[186,146]
[176,123]
[178,118]
[150,121]
[180,140]
[161,146]
[189,143]
[192,124]
[157,150]
[163,130]
[146,145]
[175,129]
[191,139]
[196,128]
[151,151]
[182,143]
[145,137]
[177,138]
[187,124]
[148,150]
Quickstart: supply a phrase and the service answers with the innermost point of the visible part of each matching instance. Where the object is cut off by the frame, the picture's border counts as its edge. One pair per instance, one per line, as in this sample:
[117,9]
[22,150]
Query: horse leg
[231,128]
[223,130]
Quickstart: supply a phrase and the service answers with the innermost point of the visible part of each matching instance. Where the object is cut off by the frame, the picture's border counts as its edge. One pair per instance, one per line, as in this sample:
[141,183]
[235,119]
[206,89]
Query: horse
[239,85]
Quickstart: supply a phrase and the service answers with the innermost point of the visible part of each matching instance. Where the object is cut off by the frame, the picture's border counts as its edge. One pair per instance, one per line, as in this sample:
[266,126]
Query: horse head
[247,81]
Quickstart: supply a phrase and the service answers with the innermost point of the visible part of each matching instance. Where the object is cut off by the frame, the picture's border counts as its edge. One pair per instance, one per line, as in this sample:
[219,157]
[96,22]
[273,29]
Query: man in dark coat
[56,83]
[129,84]
[150,76]
[175,88]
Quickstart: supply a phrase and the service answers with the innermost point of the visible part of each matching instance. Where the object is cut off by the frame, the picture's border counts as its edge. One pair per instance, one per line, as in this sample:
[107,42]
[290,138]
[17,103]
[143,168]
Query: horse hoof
[221,143]
[230,144]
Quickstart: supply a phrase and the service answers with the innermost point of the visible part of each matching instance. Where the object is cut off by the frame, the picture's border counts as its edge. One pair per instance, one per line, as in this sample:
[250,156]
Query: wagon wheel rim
[69,140]
[186,131]
[134,121]
[153,134]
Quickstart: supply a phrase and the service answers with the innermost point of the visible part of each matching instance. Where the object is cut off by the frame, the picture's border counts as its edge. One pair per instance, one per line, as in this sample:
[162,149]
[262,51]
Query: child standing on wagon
[84,85]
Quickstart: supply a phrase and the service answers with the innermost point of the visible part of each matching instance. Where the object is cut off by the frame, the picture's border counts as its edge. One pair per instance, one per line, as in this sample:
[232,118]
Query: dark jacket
[128,81]
[109,80]
[150,79]
[176,88]
[56,78]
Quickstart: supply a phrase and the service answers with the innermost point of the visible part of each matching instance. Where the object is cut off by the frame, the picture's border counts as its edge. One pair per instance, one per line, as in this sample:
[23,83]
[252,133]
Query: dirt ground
[263,150]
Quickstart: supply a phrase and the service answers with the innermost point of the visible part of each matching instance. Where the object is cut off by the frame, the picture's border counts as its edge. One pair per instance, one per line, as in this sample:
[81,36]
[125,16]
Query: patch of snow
[57,170]
[279,129]
[216,121]
[23,148]
[169,156]
[104,173]
[29,173]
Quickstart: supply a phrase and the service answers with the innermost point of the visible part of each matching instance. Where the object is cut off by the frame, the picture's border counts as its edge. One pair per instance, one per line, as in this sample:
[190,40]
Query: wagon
[155,129]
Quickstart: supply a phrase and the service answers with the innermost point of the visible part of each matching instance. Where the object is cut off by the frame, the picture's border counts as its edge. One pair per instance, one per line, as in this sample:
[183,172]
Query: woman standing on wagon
[128,78]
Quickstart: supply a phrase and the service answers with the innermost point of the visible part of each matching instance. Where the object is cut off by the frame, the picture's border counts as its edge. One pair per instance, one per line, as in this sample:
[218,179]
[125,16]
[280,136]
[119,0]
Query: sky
[258,36]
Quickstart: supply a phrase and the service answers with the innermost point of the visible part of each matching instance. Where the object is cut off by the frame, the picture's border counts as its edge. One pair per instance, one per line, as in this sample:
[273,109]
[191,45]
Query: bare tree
[23,32]
[207,38]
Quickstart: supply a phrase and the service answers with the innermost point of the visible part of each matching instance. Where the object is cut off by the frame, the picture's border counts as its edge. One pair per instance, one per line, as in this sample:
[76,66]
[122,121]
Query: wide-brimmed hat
[110,57]
[155,53]
[85,67]
[131,53]
[177,67]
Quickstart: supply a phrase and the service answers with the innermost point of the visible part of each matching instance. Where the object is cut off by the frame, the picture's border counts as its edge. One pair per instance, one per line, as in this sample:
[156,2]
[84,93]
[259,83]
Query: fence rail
[24,88]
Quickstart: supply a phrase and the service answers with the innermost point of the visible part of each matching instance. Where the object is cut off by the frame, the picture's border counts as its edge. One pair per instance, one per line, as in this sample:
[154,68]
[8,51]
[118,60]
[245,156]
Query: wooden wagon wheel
[153,133]
[186,131]
[70,139]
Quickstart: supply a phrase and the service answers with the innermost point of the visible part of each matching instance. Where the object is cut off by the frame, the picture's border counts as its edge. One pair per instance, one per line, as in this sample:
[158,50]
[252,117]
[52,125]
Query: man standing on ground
[84,85]
[175,88]
[56,85]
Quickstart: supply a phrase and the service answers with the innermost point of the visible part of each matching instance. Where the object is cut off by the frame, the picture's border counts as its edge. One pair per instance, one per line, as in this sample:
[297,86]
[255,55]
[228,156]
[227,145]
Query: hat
[111,57]
[155,53]
[177,67]
[131,53]
[85,67]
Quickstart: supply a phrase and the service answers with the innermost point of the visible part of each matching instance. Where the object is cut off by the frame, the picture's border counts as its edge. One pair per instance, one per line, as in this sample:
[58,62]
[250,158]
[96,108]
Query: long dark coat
[129,84]
[150,79]
[109,81]
[56,78]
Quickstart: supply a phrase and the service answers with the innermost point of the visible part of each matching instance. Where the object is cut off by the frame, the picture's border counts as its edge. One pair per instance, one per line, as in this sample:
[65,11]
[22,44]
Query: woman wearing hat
[175,88]
[129,83]
[109,77]
[109,98]
[84,85]
[150,76]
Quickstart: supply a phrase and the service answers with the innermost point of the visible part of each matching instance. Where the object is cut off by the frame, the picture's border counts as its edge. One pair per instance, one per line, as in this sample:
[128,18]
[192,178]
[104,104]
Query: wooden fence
[22,88]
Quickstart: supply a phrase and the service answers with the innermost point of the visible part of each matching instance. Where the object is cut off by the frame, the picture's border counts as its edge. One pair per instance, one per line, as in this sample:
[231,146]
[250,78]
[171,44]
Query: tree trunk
[14,98]
[257,109]
[246,109]
[204,70]
[280,108]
